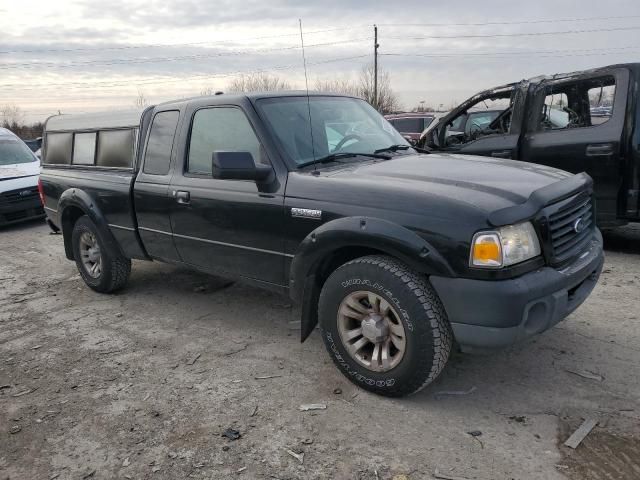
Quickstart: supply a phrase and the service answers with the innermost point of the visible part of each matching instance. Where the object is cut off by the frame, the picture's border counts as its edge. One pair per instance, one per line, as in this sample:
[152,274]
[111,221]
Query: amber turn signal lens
[486,251]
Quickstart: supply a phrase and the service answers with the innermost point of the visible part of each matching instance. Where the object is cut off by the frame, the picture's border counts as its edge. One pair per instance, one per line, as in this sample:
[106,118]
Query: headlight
[505,246]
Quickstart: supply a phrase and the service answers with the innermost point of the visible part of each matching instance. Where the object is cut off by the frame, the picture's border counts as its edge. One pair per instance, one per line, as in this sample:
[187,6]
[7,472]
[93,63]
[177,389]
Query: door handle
[182,197]
[501,154]
[599,150]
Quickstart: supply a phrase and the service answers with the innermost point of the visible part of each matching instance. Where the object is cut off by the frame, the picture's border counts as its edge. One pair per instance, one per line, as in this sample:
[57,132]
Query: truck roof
[131,118]
[556,76]
[93,121]
[258,95]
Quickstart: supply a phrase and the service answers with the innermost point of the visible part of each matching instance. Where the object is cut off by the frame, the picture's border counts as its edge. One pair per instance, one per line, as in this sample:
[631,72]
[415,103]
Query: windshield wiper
[336,156]
[395,148]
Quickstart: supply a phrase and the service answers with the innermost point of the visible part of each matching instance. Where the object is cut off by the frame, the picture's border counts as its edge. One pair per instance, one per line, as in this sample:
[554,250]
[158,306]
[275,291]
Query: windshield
[340,125]
[13,151]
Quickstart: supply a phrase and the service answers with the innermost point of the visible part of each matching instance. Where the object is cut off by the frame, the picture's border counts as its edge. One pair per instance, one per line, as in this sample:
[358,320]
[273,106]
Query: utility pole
[375,66]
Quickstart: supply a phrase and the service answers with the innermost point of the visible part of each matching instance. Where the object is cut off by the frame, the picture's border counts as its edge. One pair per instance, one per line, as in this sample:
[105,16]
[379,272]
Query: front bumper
[20,209]
[493,314]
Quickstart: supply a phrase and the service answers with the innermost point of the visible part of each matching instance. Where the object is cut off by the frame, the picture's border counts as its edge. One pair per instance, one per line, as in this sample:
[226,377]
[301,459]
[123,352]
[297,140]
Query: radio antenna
[306,82]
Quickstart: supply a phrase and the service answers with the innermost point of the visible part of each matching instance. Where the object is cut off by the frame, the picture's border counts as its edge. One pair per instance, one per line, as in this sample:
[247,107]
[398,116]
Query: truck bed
[110,189]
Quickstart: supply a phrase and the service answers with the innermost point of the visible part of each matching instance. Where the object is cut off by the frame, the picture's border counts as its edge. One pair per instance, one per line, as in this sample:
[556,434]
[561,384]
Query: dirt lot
[144,383]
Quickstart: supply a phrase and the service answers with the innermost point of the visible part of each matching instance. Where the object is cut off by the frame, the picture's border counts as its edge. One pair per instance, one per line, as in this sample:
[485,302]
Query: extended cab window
[577,104]
[116,148]
[158,154]
[220,129]
[84,148]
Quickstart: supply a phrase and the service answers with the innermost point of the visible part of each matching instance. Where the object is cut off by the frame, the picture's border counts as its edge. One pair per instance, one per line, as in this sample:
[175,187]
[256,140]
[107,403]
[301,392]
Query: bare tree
[257,82]
[387,101]
[423,107]
[141,101]
[343,86]
[12,116]
[208,91]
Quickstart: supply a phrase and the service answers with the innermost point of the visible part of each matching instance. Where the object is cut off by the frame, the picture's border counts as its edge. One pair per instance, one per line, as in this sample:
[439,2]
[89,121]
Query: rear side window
[58,148]
[220,129]
[158,153]
[116,148]
[578,104]
[555,112]
[601,102]
[84,148]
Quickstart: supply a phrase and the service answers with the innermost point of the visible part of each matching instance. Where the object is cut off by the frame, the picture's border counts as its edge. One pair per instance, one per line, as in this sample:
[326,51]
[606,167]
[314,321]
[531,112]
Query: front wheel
[384,326]
[100,270]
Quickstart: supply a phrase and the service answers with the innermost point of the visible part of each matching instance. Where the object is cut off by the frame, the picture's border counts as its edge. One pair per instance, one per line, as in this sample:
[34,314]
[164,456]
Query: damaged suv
[585,121]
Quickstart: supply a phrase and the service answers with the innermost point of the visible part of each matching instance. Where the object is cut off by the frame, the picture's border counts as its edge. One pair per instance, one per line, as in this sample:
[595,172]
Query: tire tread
[116,268]
[434,312]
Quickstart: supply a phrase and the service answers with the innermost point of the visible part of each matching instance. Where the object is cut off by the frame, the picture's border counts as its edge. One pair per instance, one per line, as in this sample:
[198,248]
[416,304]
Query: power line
[164,80]
[159,82]
[522,22]
[520,34]
[164,45]
[27,113]
[524,53]
[111,62]
[140,60]
[335,29]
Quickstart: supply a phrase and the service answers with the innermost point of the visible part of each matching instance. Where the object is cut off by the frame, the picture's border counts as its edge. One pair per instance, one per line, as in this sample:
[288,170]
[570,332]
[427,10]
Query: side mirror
[238,166]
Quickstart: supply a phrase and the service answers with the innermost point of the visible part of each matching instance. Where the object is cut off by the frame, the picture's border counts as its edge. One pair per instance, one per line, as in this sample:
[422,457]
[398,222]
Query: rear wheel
[99,269]
[384,326]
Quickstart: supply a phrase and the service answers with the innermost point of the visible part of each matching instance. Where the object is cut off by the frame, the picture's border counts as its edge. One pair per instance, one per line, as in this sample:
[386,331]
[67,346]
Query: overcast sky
[90,55]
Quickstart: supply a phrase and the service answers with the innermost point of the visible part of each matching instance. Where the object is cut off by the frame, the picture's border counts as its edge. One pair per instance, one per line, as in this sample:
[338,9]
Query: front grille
[10,217]
[571,224]
[19,195]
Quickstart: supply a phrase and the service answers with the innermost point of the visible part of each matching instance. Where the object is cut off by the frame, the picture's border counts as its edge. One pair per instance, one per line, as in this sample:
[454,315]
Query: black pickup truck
[398,255]
[587,121]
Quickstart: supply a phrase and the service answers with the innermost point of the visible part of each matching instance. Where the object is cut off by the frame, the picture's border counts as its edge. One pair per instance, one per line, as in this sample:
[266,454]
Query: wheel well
[339,257]
[317,277]
[70,216]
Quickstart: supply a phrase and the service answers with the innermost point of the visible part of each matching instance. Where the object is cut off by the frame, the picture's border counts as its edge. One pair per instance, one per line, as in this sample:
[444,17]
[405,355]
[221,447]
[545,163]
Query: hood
[445,199]
[482,183]
[19,170]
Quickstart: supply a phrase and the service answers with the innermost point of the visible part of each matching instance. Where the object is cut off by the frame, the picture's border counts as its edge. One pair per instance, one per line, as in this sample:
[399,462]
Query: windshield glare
[13,151]
[340,125]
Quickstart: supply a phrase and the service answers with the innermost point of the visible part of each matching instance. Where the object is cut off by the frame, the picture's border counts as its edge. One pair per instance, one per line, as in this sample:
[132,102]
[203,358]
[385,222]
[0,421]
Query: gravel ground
[145,383]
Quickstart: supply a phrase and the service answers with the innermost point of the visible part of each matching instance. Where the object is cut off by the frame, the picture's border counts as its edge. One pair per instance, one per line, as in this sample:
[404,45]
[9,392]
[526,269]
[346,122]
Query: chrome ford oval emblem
[578,225]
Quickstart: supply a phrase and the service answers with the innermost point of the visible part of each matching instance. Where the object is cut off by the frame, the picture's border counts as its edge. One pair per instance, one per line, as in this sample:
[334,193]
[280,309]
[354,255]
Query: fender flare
[366,232]
[75,197]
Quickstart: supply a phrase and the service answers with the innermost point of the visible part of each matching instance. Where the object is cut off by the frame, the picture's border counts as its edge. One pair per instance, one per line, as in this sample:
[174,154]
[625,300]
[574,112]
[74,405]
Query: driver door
[566,132]
[461,135]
